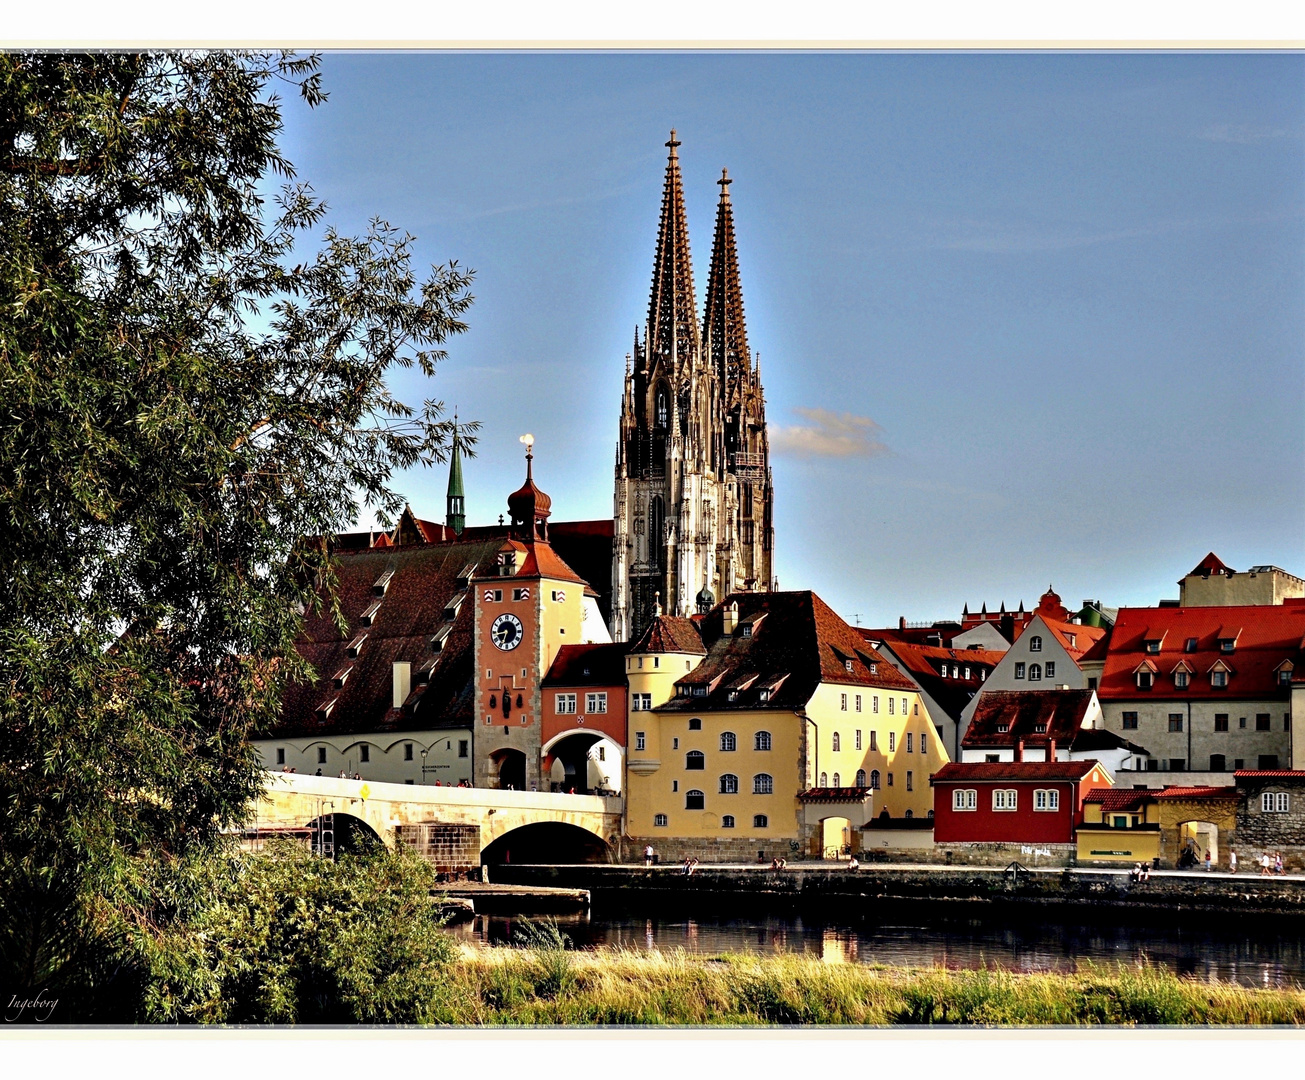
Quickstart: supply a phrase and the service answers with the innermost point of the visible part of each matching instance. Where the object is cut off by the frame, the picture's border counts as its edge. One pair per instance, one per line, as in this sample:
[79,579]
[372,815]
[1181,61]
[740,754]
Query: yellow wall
[826,709]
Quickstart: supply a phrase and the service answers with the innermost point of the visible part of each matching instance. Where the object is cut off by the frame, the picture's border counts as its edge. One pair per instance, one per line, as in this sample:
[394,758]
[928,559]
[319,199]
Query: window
[1219,679]
[1046,799]
[909,740]
[847,665]
[1092,683]
[695,760]
[280,755]
[860,778]
[910,780]
[602,752]
[858,696]
[1035,672]
[1217,763]
[675,743]
[991,757]
[694,800]
[836,742]
[1153,646]
[1274,802]
[1177,764]
[892,741]
[1284,676]
[675,785]
[566,703]
[837,780]
[695,723]
[1180,680]
[1072,639]
[1050,669]
[874,779]
[1262,721]
[965,799]
[1227,644]
[890,706]
[890,779]
[874,703]
[728,742]
[1268,761]
[520,594]
[759,821]
[659,821]
[1144,680]
[494,595]
[321,755]
[942,670]
[1241,721]
[967,671]
[1221,721]
[903,706]
[407,751]
[596,703]
[642,703]
[763,784]
[1019,671]
[824,780]
[842,702]
[761,741]
[1005,798]
[729,784]
[1238,763]
[364,752]
[1175,721]
[641,740]
[463,748]
[727,821]
[858,738]
[923,736]
[1189,645]
[874,741]
[1129,721]
[1035,643]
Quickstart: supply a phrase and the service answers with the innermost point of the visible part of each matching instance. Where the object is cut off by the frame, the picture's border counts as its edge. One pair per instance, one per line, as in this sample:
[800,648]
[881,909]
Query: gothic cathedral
[694,497]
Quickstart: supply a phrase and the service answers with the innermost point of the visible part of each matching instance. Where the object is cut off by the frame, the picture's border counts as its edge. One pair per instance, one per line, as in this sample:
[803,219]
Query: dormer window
[1284,673]
[369,613]
[1189,645]
[1144,680]
[874,668]
[699,690]
[355,646]
[1219,679]
[1227,644]
[1003,728]
[1072,639]
[764,695]
[1180,680]
[1040,728]
[1153,646]
[847,664]
[746,631]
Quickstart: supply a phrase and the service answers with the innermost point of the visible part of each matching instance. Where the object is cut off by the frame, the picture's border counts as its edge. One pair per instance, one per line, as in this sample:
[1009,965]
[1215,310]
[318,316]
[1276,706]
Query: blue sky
[1022,318]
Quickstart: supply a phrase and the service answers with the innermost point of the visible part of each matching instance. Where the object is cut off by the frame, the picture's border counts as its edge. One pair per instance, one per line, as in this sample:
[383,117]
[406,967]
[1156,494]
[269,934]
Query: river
[1268,958]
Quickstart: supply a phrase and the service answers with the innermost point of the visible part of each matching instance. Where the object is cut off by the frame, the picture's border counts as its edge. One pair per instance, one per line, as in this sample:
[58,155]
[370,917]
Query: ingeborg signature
[42,1008]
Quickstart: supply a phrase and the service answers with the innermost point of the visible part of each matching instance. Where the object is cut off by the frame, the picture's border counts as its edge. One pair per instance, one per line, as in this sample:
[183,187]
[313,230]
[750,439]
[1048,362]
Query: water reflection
[1266,959]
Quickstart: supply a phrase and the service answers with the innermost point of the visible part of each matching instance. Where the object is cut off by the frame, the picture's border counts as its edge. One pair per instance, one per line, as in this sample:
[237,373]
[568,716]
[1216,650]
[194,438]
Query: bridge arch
[583,759]
[337,833]
[547,842]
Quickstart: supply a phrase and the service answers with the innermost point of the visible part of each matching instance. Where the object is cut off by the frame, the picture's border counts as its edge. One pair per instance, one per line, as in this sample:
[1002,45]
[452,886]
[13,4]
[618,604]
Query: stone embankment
[923,891]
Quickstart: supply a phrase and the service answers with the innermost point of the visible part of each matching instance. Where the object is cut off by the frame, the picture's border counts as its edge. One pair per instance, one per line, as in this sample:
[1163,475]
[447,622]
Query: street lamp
[426,768]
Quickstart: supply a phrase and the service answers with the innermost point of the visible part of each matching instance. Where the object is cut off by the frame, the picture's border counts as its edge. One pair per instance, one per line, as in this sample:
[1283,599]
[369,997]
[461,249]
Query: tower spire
[672,315]
[455,516]
[726,333]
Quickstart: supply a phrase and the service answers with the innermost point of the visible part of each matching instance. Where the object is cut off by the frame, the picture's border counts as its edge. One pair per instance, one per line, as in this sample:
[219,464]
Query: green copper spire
[456,516]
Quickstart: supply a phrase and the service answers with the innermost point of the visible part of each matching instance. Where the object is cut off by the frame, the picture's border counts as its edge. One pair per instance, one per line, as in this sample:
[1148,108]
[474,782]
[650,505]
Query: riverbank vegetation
[505,986]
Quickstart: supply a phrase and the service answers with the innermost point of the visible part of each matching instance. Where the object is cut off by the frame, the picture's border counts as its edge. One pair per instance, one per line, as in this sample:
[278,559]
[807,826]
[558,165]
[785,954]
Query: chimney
[901,622]
[1019,749]
[402,682]
[1051,750]
[731,617]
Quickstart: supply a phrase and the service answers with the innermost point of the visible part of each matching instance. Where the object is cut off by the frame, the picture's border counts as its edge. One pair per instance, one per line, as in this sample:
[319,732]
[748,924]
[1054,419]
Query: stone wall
[1258,832]
[450,849]
[675,849]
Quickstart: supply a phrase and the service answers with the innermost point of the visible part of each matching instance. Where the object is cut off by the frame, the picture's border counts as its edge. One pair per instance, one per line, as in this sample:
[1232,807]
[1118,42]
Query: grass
[554,986]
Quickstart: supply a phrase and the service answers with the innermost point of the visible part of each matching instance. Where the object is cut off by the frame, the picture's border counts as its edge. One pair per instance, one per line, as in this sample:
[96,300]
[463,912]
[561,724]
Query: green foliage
[548,945]
[287,938]
[188,391]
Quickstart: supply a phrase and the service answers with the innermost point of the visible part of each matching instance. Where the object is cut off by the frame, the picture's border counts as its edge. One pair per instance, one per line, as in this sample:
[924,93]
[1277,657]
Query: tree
[185,398]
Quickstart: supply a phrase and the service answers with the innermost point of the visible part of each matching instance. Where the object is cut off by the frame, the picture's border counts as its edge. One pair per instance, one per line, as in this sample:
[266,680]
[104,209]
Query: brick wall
[451,849]
[675,849]
[1258,831]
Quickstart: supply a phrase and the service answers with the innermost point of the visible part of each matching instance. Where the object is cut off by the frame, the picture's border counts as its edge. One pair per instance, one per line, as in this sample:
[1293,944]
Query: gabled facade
[1212,583]
[693,495]
[785,705]
[1021,802]
[1209,689]
[584,719]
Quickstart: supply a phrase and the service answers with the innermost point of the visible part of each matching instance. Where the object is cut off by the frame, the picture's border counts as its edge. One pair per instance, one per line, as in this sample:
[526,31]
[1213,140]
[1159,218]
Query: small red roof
[1014,770]
[1211,564]
[1195,792]
[1296,773]
[671,634]
[1112,799]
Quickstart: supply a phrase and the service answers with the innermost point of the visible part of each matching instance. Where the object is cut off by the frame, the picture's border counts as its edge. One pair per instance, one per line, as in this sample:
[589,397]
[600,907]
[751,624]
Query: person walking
[1232,860]
[648,855]
[1209,863]
[1266,864]
[1277,863]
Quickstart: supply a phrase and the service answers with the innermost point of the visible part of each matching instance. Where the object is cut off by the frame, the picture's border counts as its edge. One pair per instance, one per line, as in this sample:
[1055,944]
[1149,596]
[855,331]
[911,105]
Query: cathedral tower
[693,501]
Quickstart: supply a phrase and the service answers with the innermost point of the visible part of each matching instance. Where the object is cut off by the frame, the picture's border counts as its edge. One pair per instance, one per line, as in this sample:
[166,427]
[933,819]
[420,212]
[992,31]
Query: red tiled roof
[1085,637]
[671,634]
[1298,774]
[1113,799]
[1097,653]
[801,643]
[1203,792]
[923,663]
[1014,770]
[1059,712]
[1266,636]
[1211,564]
[588,665]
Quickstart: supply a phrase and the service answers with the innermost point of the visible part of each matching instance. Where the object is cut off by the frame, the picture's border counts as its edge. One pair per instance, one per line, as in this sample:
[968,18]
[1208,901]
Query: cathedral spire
[672,314]
[726,333]
[455,501]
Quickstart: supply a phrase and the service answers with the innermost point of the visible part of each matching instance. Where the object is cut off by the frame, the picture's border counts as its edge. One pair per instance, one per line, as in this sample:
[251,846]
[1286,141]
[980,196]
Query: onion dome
[706,601]
[528,506]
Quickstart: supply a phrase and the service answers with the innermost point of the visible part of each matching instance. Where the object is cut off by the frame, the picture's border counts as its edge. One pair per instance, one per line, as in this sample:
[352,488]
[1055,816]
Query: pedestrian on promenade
[852,864]
[648,855]
[1266,864]
[1277,863]
[1209,863]
[1232,860]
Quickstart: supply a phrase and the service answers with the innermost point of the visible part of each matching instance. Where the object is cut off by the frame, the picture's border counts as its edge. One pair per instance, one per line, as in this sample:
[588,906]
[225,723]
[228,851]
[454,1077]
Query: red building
[584,710]
[1012,802]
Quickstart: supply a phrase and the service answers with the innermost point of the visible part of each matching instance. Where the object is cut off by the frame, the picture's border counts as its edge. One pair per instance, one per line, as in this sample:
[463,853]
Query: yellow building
[1120,825]
[769,728]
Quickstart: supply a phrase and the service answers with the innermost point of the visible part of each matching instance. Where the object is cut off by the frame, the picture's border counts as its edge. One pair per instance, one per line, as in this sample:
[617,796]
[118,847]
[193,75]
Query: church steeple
[726,333]
[455,516]
[672,315]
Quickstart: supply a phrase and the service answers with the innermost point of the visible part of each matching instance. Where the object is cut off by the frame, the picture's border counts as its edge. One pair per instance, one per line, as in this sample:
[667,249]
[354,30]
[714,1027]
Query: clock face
[506,632]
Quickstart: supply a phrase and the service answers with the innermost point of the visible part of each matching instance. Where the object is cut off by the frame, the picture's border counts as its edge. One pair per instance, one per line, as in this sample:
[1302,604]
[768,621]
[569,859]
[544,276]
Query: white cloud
[829,434]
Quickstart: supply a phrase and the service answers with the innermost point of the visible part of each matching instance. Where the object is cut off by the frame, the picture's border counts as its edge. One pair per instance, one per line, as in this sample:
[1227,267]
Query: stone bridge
[514,826]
